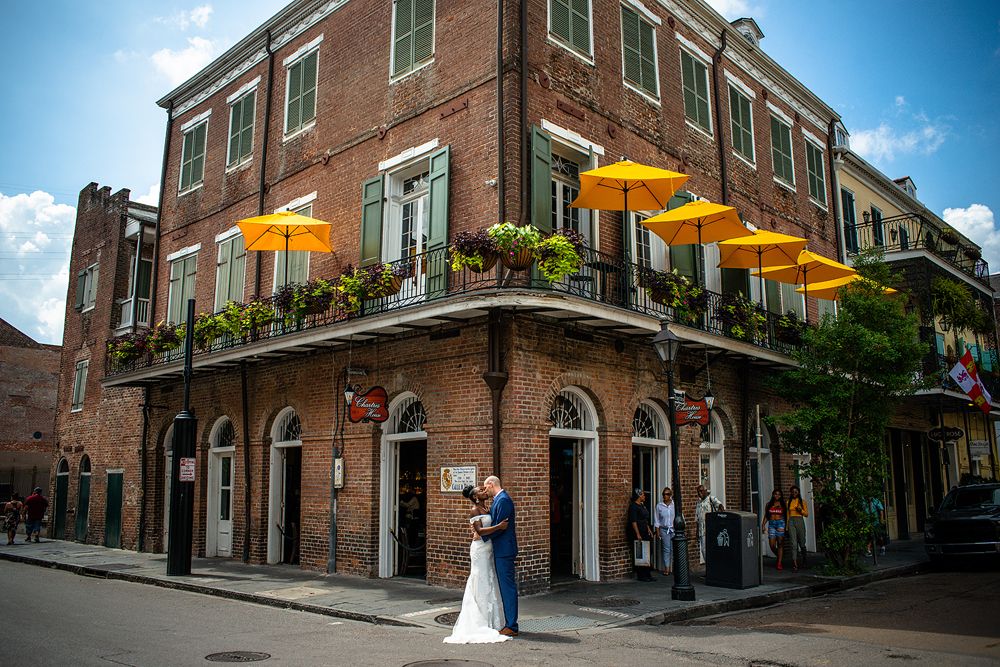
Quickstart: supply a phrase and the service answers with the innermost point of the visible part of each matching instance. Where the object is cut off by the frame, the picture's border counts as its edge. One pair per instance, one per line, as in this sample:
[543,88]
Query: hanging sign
[187,470]
[371,406]
[687,411]
[946,433]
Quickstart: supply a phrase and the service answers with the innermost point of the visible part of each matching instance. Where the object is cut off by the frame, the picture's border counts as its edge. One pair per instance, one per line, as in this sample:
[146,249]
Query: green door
[113,511]
[83,507]
[62,491]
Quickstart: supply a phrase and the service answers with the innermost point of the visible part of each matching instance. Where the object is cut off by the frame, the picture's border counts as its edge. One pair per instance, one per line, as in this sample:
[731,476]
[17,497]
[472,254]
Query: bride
[482,611]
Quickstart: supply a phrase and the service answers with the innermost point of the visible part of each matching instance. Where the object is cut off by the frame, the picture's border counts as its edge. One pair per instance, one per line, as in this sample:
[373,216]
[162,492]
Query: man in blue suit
[504,551]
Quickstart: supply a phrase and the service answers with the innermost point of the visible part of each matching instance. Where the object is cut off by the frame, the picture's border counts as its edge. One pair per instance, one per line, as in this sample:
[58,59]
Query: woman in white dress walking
[481,617]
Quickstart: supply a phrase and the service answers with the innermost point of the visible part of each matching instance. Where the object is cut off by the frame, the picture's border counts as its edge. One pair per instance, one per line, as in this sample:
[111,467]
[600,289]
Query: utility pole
[179,537]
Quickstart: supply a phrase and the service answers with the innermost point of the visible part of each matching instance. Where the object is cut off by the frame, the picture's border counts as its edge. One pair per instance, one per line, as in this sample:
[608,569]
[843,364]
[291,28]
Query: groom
[504,551]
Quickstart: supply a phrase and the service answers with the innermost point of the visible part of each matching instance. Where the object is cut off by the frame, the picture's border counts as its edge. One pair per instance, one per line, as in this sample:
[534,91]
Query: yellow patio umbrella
[697,222]
[758,250]
[286,231]
[810,267]
[830,289]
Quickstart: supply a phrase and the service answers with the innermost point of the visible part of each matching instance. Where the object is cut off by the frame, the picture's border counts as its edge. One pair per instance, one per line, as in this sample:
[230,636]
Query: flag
[966,376]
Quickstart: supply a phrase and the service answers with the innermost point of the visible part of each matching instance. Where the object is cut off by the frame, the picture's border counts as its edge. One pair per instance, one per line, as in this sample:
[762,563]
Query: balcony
[141,313]
[604,296]
[911,232]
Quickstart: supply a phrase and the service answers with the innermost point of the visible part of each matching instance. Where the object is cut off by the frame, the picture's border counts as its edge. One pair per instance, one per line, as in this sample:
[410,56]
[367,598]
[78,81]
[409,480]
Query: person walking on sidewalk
[797,511]
[775,516]
[663,522]
[638,529]
[34,511]
[12,516]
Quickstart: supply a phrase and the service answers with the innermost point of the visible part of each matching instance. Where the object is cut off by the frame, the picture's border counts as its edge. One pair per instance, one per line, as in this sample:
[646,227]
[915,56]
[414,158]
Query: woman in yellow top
[797,511]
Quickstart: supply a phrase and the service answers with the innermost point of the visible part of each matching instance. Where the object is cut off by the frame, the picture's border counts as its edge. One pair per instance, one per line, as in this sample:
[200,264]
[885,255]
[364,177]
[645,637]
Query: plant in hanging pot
[560,254]
[515,244]
[476,251]
[350,291]
[973,253]
[666,288]
[789,328]
[741,318]
[694,303]
[246,319]
[165,337]
[126,349]
[949,236]
[312,297]
[207,328]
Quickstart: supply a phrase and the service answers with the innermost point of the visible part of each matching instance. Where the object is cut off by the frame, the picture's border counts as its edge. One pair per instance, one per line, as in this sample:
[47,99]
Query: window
[850,220]
[569,24]
[413,35]
[193,157]
[566,167]
[182,275]
[300,110]
[878,233]
[230,271]
[792,300]
[695,84]
[742,123]
[86,287]
[79,385]
[298,260]
[241,117]
[814,168]
[639,52]
[781,151]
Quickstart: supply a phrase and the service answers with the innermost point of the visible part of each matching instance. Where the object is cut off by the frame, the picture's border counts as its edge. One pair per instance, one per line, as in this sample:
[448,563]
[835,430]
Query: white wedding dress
[482,612]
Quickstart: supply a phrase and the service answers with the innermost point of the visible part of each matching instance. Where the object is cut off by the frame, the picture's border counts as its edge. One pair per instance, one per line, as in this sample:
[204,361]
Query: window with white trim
[781,151]
[230,272]
[79,385]
[241,122]
[741,114]
[86,287]
[182,275]
[694,76]
[413,35]
[406,225]
[300,108]
[298,260]
[649,251]
[566,167]
[569,24]
[193,157]
[817,175]
[639,52]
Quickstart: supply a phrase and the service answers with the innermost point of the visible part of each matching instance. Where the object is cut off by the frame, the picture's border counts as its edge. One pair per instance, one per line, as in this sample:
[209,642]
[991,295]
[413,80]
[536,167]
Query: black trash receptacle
[731,543]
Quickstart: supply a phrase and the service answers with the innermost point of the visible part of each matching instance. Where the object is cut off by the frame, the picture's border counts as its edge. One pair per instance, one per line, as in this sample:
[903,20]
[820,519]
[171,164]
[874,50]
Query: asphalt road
[52,617]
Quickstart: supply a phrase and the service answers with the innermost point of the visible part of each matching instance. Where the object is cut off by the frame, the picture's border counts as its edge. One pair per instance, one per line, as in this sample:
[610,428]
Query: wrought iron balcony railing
[941,365]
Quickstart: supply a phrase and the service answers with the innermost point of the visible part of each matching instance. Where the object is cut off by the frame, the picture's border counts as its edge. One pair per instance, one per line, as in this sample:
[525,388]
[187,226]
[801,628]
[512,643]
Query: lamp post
[667,345]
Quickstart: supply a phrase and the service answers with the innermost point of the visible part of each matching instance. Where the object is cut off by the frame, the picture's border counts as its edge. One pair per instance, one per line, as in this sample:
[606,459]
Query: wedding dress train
[482,612]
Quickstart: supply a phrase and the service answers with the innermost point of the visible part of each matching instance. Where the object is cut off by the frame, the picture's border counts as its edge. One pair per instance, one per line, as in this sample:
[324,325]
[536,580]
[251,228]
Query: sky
[917,87]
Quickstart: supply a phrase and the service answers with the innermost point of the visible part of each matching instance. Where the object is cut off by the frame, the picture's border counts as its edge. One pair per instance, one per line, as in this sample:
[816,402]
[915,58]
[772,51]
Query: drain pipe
[141,542]
[159,213]
[745,448]
[495,378]
[501,146]
[723,164]
[263,154]
[523,78]
[246,462]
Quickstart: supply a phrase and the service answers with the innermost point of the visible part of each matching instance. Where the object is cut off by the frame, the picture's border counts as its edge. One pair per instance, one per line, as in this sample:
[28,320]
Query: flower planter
[659,296]
[489,261]
[518,261]
[393,286]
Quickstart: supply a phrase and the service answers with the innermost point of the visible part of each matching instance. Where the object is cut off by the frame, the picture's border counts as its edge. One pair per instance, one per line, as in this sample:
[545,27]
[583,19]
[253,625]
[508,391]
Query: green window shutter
[687,78]
[402,58]
[81,289]
[235,117]
[684,258]
[293,114]
[541,180]
[735,281]
[559,18]
[580,25]
[631,47]
[647,52]
[186,153]
[309,73]
[772,295]
[437,232]
[176,283]
[92,287]
[371,220]
[237,270]
[198,161]
[423,30]
[145,279]
[222,274]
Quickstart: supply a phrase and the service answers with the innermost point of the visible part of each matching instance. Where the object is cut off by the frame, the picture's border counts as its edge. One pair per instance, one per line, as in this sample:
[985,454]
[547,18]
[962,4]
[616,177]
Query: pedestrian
[708,503]
[797,512]
[638,529]
[663,522]
[875,511]
[775,516]
[34,511]
[12,516]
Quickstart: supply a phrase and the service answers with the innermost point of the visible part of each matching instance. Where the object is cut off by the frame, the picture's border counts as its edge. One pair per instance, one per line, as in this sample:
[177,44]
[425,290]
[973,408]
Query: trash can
[731,543]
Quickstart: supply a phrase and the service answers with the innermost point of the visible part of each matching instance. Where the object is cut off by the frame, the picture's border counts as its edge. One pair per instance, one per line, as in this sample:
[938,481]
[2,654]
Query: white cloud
[152,196]
[900,101]
[179,66]
[197,17]
[35,241]
[977,224]
[735,9]
[884,143]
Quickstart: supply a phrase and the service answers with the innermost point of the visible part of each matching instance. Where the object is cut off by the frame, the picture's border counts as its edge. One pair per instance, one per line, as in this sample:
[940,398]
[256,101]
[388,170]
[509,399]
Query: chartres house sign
[371,406]
[687,411]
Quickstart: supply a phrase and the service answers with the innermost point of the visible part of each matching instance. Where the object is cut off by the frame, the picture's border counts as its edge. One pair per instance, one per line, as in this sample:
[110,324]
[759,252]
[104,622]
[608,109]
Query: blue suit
[504,553]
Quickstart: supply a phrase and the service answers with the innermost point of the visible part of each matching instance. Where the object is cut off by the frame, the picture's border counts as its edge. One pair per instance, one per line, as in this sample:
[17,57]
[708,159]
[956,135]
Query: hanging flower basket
[476,251]
[515,244]
[518,260]
[489,261]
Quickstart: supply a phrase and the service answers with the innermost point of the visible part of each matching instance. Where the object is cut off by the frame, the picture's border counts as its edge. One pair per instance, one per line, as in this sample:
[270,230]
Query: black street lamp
[667,345]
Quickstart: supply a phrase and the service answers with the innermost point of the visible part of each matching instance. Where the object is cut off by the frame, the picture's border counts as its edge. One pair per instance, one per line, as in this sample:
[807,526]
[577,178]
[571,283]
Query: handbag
[641,553]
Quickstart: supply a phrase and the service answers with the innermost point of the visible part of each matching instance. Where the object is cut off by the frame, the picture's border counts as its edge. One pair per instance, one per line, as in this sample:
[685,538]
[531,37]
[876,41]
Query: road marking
[436,610]
[616,614]
[336,623]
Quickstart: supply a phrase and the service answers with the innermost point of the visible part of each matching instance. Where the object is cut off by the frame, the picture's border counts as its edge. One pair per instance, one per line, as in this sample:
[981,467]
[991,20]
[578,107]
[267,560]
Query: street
[58,618]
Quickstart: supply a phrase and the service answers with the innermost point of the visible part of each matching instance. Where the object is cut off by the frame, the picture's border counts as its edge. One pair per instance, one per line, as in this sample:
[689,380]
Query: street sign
[187,470]
[945,433]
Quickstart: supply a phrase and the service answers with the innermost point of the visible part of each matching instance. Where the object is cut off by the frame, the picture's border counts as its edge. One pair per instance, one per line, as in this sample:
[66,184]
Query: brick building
[396,123]
[29,376]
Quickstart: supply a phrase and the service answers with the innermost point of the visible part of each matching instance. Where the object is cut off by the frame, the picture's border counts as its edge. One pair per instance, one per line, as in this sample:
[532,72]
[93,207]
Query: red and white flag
[967,377]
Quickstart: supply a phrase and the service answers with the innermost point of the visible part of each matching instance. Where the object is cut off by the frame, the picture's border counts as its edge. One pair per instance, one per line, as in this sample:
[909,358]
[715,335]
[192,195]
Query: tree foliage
[852,371]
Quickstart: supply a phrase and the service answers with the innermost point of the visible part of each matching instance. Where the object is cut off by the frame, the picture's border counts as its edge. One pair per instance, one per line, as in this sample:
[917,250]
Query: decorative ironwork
[646,423]
[410,417]
[569,412]
[225,435]
[290,427]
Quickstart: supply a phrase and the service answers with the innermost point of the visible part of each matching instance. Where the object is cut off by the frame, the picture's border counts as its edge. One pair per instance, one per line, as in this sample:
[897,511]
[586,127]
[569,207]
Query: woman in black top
[638,528]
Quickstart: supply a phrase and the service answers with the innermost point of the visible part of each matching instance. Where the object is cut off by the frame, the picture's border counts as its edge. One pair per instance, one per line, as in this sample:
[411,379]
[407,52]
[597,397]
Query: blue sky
[917,87]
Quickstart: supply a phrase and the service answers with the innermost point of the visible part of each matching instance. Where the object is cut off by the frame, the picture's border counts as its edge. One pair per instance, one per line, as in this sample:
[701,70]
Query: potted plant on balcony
[515,244]
[382,280]
[126,349]
[350,291]
[949,236]
[559,254]
[693,305]
[312,297]
[245,320]
[741,318]
[973,253]
[207,328]
[165,337]
[667,288]
[476,251]
[789,328]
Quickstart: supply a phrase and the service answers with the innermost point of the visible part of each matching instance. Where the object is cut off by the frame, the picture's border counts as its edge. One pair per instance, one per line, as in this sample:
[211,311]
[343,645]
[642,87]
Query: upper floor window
[300,109]
[79,385]
[230,271]
[781,151]
[694,74]
[193,157]
[86,287]
[741,115]
[241,122]
[413,35]
[817,175]
[639,52]
[566,167]
[569,24]
[297,260]
[182,275]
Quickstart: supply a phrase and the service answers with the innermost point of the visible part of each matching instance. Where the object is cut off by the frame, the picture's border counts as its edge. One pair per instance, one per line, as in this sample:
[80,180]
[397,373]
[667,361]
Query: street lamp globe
[666,344]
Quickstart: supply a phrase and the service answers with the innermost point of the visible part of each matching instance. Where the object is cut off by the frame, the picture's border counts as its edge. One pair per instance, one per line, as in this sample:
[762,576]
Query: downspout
[501,147]
[246,462]
[495,378]
[159,213]
[523,74]
[723,164]
[835,195]
[142,462]
[263,154]
[745,487]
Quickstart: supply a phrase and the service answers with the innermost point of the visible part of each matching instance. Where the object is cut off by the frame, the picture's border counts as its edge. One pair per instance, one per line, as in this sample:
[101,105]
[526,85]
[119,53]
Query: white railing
[141,315]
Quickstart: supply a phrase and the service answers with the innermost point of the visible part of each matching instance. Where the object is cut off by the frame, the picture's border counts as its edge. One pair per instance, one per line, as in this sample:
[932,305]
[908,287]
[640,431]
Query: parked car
[967,523]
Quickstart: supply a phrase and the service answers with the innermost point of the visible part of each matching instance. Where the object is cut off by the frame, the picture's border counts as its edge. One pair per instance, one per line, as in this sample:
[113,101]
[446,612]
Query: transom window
[569,412]
[225,435]
[639,52]
[781,151]
[814,168]
[695,84]
[569,24]
[409,417]
[241,122]
[413,38]
[193,157]
[300,109]
[566,167]
[647,424]
[290,427]
[742,122]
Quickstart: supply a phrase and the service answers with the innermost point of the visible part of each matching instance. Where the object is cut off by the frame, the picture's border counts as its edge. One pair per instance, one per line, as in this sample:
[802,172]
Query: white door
[225,506]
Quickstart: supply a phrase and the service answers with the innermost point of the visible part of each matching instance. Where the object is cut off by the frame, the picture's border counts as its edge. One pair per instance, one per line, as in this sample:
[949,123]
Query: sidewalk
[579,606]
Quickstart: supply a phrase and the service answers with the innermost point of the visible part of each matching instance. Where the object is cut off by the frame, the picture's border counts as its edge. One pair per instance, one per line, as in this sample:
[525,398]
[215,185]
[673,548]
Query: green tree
[853,370]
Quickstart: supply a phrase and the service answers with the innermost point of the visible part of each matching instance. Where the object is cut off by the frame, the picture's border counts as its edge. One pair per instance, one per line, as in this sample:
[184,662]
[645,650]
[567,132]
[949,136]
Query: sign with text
[687,411]
[371,406]
[945,433]
[979,448]
[456,478]
[187,469]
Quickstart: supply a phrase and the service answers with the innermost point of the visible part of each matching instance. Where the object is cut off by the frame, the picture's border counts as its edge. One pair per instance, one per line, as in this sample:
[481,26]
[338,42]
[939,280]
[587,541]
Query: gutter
[501,146]
[262,184]
[723,166]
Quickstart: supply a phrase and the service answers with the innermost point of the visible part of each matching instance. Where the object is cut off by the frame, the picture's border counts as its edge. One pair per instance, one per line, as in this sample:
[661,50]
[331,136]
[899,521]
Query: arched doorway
[650,453]
[403,484]
[712,458]
[62,500]
[219,508]
[83,500]
[573,487]
[285,489]
[168,460]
